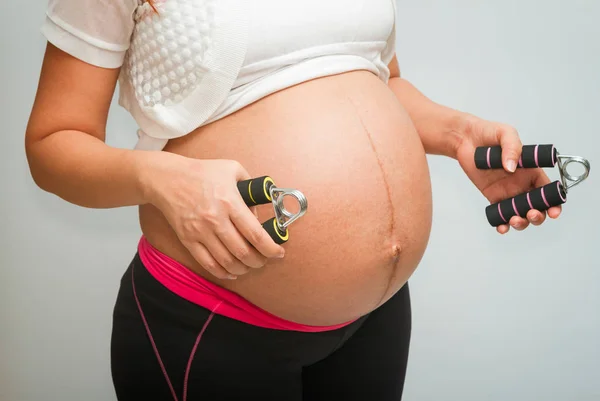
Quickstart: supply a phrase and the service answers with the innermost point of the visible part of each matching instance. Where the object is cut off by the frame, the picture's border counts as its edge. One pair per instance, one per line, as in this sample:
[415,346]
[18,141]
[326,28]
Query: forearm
[439,127]
[85,171]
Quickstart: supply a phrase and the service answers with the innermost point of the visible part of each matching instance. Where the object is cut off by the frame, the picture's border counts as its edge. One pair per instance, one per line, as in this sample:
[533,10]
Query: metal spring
[564,174]
[283,216]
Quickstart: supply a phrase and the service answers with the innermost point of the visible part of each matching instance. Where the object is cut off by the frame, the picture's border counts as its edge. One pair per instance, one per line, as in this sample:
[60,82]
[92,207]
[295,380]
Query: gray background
[495,318]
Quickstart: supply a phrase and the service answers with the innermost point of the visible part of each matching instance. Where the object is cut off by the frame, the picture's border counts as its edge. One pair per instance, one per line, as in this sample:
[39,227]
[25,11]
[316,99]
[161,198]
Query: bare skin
[355,154]
[354,145]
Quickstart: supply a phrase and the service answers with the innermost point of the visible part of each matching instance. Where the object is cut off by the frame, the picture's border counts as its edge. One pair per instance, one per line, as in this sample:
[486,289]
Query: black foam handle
[277,234]
[542,198]
[532,156]
[255,191]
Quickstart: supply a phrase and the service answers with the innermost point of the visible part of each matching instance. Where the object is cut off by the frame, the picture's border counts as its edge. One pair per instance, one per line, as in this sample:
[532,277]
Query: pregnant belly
[348,145]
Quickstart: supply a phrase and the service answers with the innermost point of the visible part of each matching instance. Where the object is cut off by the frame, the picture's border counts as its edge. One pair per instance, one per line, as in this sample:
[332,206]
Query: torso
[347,143]
[195,62]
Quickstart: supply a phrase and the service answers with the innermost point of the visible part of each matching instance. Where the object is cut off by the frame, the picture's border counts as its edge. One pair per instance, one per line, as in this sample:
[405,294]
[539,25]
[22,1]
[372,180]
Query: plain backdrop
[496,318]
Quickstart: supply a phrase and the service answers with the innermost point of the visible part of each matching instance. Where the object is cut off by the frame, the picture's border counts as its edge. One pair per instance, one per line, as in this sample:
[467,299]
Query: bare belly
[346,143]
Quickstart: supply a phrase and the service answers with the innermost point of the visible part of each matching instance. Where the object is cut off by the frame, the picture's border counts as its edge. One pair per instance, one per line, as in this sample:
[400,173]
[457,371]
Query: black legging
[223,359]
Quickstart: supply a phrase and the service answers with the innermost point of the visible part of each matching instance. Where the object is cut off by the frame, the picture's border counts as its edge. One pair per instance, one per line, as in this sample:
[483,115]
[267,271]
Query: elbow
[36,171]
[39,181]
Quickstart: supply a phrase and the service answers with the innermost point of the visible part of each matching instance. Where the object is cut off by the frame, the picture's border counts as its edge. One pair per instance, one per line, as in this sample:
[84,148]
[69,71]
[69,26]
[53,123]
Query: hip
[165,347]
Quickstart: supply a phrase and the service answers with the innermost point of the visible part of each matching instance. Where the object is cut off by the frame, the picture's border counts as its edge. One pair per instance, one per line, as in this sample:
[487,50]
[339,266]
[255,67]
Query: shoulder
[95,31]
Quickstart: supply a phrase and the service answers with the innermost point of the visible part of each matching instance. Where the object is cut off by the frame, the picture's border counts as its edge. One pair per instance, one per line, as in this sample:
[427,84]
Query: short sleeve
[390,49]
[95,31]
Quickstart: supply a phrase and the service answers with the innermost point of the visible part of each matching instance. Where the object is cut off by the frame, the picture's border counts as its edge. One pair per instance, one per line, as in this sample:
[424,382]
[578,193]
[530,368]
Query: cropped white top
[196,61]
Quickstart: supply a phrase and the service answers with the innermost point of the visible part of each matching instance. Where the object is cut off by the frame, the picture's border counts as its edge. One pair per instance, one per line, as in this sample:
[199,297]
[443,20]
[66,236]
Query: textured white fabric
[197,61]
[96,31]
[168,51]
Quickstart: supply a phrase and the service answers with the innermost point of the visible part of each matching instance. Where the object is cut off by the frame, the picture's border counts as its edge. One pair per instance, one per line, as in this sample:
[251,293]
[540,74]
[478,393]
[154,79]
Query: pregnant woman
[310,94]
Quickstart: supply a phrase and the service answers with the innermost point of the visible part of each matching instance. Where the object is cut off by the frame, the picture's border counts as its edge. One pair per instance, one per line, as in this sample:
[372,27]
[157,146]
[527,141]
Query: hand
[497,185]
[201,202]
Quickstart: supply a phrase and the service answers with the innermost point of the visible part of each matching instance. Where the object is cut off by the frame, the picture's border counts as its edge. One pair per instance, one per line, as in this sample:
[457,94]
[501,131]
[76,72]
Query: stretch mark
[383,174]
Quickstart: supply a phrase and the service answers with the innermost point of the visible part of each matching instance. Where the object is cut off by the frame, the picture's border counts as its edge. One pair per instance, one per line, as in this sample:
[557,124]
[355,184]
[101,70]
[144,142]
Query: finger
[540,180]
[511,147]
[519,223]
[241,174]
[206,260]
[253,231]
[554,212]
[536,217]
[239,247]
[246,221]
[503,229]
[222,255]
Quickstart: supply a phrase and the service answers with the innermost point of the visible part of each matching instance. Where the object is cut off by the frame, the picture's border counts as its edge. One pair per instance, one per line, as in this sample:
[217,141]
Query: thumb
[511,147]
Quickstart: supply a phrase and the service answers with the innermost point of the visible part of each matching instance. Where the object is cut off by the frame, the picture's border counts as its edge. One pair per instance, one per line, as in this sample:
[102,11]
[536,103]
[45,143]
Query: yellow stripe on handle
[275,232]
[266,191]
[250,191]
[255,191]
[283,237]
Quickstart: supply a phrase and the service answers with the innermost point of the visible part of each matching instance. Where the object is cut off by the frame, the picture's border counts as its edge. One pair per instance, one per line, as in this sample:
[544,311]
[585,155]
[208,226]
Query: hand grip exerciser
[542,198]
[262,190]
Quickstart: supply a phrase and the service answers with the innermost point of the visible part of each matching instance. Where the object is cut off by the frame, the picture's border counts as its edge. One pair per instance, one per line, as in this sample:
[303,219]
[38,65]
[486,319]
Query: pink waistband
[196,289]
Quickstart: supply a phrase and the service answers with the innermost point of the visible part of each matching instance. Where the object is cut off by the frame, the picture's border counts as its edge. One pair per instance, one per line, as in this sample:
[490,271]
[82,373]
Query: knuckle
[221,197]
[237,165]
[221,231]
[227,262]
[211,215]
[514,136]
[505,129]
[257,236]
[508,133]
[234,165]
[189,231]
[184,235]
[211,267]
[510,154]
[242,252]
[227,204]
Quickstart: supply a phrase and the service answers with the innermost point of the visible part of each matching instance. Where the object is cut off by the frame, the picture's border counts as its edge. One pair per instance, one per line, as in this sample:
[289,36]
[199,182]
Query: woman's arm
[438,126]
[199,198]
[443,129]
[455,134]
[65,136]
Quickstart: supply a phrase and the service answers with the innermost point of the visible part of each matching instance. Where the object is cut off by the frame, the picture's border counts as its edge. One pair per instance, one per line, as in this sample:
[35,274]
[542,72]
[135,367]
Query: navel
[396,249]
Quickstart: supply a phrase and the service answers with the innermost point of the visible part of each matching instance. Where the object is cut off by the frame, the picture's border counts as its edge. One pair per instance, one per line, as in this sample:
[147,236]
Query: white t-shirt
[196,61]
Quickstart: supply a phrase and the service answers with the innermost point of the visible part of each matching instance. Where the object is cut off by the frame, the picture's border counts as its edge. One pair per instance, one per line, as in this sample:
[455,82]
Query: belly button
[396,251]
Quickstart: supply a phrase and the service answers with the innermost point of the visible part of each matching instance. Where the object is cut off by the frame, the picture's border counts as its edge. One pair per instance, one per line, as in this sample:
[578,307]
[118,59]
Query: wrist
[457,131]
[441,129]
[149,167]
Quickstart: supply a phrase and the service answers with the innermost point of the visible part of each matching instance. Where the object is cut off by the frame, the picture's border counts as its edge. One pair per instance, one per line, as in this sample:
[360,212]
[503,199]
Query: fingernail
[511,165]
[535,218]
[281,255]
[232,277]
